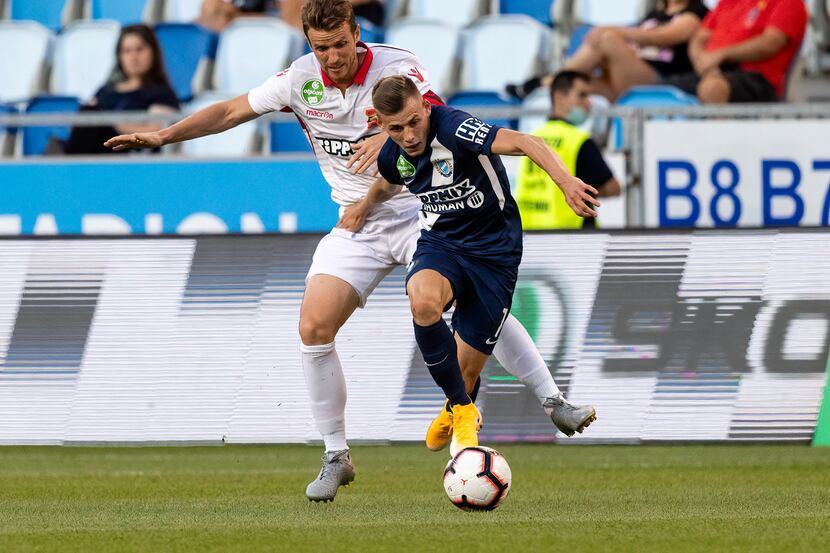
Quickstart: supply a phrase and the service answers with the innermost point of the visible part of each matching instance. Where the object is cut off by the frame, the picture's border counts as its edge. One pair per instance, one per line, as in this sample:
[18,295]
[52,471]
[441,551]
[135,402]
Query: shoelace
[327,466]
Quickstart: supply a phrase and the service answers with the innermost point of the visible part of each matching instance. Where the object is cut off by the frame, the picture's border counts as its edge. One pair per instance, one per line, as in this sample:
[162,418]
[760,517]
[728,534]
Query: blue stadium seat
[369,32]
[436,44]
[539,10]
[455,12]
[6,134]
[252,49]
[649,97]
[503,49]
[182,11]
[238,141]
[187,49]
[605,12]
[21,74]
[656,95]
[49,13]
[84,58]
[35,139]
[577,37]
[125,12]
[464,100]
[287,137]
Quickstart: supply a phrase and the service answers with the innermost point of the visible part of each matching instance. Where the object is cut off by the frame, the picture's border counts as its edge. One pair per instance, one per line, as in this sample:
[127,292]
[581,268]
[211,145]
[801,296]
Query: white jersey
[332,121]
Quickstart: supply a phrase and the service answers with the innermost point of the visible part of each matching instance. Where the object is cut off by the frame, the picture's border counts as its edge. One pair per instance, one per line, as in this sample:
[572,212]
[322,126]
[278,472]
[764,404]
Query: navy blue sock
[476,386]
[437,346]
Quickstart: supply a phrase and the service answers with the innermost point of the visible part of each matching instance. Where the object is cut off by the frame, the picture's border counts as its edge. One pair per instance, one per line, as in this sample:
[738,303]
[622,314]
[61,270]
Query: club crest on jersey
[405,168]
[371,117]
[444,167]
[313,92]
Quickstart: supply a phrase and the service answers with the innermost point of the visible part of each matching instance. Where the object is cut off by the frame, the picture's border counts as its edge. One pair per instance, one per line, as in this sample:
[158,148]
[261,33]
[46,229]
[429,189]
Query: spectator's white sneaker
[337,471]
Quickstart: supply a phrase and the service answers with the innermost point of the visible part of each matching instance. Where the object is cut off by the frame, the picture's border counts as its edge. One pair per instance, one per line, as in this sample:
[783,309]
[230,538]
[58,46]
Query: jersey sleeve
[386,163]
[469,134]
[272,95]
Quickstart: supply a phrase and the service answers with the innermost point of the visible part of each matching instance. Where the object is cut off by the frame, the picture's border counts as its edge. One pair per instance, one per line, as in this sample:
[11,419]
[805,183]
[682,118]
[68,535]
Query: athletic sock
[476,387]
[327,392]
[518,355]
[438,348]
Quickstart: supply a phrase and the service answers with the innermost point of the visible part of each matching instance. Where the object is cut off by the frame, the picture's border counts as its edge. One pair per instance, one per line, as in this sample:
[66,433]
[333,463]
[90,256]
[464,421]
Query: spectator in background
[541,203]
[218,14]
[744,50]
[622,57]
[371,10]
[140,83]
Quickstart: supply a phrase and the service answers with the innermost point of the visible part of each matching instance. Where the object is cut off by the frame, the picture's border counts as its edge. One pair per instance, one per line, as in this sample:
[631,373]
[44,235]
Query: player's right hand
[354,216]
[579,197]
[122,142]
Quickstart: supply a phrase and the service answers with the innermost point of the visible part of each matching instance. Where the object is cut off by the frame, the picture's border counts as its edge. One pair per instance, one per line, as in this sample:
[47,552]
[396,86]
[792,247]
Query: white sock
[327,391]
[518,355]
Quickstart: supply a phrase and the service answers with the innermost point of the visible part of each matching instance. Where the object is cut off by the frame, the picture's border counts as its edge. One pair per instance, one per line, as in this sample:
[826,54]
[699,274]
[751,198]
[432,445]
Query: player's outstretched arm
[212,120]
[577,193]
[355,215]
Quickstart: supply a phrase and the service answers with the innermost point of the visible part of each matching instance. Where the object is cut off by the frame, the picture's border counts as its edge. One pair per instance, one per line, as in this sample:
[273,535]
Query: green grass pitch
[564,498]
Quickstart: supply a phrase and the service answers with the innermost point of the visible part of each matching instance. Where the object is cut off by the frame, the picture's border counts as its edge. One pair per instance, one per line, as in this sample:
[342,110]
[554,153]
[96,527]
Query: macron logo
[415,74]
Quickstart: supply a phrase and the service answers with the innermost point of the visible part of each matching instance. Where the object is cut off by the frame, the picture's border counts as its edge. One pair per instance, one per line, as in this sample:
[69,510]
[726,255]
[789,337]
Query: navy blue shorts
[483,292]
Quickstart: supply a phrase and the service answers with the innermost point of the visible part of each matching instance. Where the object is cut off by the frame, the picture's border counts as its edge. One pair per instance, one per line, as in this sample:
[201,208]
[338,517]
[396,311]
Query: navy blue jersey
[467,205]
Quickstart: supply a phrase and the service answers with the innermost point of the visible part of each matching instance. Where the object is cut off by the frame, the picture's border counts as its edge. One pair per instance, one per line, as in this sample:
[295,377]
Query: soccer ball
[477,479]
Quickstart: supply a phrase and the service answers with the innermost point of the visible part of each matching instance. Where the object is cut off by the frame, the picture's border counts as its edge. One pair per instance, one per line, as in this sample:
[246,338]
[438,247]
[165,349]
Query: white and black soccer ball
[477,479]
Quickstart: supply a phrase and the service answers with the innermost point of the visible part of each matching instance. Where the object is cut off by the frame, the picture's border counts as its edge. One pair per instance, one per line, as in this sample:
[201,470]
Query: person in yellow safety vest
[541,204]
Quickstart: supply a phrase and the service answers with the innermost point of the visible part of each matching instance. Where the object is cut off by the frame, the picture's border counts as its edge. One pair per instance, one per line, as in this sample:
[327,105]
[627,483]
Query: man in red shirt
[743,51]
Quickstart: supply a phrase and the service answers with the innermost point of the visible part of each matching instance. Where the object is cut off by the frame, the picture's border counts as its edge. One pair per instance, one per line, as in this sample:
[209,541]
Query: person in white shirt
[330,92]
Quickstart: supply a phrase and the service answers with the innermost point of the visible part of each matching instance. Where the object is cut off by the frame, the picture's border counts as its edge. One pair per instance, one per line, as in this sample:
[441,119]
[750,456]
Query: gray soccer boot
[568,418]
[337,471]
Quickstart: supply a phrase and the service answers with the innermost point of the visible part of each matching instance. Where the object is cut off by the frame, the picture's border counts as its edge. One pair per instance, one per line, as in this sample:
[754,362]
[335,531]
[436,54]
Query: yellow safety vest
[541,203]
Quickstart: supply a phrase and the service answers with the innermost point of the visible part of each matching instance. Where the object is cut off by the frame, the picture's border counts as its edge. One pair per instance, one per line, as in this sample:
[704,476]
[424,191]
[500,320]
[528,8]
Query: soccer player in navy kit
[471,238]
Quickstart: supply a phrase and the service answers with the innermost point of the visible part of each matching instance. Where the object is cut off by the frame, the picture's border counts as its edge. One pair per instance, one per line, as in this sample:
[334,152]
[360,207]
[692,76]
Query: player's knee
[315,332]
[713,90]
[426,310]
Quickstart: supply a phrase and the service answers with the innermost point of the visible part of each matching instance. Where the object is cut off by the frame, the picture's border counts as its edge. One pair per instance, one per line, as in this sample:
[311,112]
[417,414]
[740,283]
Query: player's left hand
[354,216]
[579,198]
[366,153]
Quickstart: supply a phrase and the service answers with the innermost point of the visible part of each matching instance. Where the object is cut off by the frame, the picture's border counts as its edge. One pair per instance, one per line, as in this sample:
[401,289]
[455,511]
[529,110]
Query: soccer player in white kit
[330,92]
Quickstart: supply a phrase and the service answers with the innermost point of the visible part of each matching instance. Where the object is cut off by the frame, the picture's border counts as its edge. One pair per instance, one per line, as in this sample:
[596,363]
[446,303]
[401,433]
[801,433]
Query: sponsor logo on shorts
[313,92]
[473,130]
[319,114]
[405,168]
[444,167]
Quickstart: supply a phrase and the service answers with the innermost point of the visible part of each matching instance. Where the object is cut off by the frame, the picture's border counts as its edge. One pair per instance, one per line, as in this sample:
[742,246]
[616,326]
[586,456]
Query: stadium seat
[182,11]
[36,139]
[187,49]
[604,13]
[455,12]
[436,44]
[487,64]
[126,12]
[464,100]
[52,14]
[369,32]
[539,101]
[252,49]
[22,74]
[576,38]
[540,10]
[84,58]
[287,137]
[7,135]
[238,141]
[648,97]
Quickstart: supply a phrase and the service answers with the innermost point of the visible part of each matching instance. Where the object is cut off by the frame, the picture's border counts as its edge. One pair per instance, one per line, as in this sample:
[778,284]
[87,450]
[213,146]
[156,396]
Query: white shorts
[364,258]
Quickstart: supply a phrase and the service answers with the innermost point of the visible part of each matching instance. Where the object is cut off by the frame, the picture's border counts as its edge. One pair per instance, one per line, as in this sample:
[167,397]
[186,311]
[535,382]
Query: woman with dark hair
[618,58]
[139,83]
